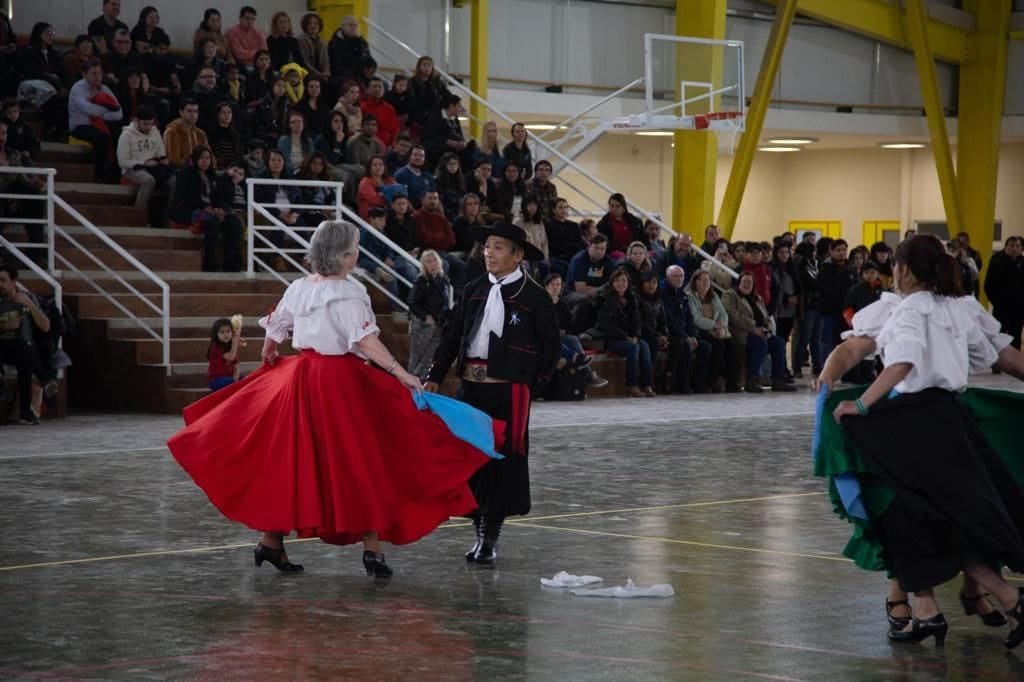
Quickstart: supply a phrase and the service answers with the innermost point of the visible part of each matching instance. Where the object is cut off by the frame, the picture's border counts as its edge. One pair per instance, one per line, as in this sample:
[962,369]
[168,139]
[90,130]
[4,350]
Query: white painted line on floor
[40,455]
[688,418]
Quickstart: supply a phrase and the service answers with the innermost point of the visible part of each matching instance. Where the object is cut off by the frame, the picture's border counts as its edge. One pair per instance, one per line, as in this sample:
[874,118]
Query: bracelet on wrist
[861,407]
[391,368]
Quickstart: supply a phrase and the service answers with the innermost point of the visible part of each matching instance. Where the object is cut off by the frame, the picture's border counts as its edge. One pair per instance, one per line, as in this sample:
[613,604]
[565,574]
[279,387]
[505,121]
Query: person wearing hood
[142,157]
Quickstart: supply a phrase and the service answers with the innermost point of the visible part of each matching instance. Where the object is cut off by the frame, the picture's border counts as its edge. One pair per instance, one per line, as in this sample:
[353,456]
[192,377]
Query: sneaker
[782,387]
[51,388]
[649,392]
[754,387]
[30,420]
[596,381]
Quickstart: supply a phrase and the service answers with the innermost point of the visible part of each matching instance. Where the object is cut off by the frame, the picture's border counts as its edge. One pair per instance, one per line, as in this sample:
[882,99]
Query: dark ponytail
[927,259]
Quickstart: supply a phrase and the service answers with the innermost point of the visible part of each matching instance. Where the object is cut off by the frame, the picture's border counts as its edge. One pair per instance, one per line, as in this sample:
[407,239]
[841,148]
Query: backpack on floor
[567,384]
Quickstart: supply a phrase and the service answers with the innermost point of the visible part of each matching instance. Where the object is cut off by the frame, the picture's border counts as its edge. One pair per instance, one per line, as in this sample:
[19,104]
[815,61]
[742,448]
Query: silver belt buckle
[478,372]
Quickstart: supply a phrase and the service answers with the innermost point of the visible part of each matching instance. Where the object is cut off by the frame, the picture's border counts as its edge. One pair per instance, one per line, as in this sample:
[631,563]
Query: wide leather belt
[476,371]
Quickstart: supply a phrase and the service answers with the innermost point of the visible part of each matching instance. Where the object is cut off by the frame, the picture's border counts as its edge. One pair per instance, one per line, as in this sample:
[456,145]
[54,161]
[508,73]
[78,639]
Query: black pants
[723,360]
[689,365]
[20,354]
[104,169]
[230,228]
[1010,322]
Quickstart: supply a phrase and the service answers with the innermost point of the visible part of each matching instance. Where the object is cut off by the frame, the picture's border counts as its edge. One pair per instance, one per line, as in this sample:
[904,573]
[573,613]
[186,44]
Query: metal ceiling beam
[885,21]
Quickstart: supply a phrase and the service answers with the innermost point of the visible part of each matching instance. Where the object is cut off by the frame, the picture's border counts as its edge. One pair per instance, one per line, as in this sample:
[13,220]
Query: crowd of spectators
[289,104]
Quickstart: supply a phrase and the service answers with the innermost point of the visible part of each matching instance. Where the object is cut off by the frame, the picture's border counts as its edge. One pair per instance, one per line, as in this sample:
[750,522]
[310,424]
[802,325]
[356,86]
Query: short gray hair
[331,239]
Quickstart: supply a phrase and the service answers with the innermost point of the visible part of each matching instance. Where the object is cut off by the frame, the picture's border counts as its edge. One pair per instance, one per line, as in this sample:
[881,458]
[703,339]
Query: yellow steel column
[982,90]
[333,11]
[917,22]
[785,10]
[478,66]
[695,159]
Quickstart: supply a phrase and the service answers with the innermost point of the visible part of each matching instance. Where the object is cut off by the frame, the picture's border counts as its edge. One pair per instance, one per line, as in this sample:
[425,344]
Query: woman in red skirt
[323,443]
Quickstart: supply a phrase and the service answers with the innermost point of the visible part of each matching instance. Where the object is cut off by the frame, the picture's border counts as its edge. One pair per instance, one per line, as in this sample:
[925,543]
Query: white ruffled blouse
[943,338]
[329,316]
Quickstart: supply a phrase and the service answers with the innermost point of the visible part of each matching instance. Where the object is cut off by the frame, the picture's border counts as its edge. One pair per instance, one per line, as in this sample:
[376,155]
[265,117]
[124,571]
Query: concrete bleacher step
[61,151]
[104,214]
[179,282]
[76,193]
[185,304]
[72,171]
[193,374]
[154,259]
[133,238]
[181,327]
[148,351]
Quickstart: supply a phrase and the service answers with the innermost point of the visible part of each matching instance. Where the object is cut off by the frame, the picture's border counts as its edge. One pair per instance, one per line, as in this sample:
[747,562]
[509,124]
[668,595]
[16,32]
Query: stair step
[104,214]
[61,151]
[72,171]
[249,304]
[155,259]
[149,351]
[134,238]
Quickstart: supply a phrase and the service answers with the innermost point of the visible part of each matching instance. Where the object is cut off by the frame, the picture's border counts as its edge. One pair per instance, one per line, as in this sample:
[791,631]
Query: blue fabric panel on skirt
[846,483]
[464,421]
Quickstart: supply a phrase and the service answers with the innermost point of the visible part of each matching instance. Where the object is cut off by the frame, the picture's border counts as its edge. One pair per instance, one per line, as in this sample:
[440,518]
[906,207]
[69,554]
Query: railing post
[51,240]
[166,306]
[251,227]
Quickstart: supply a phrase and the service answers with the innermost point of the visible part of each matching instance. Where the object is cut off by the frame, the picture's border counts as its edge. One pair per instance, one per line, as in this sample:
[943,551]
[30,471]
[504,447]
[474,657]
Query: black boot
[490,530]
[471,554]
[375,565]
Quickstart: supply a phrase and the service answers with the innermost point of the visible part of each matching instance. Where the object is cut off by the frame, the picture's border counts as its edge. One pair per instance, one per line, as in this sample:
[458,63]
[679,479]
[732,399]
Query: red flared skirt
[328,447]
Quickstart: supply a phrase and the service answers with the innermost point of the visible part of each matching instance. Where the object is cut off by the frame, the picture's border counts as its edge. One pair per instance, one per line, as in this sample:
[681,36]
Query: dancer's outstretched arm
[374,350]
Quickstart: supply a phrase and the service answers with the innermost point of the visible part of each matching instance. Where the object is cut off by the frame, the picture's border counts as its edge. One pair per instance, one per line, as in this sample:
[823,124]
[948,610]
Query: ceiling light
[778,149]
[655,133]
[793,140]
[901,145]
[463,119]
[541,126]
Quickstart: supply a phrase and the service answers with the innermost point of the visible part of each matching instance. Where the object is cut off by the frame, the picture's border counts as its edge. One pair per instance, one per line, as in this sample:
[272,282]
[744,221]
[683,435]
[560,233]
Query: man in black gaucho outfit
[503,336]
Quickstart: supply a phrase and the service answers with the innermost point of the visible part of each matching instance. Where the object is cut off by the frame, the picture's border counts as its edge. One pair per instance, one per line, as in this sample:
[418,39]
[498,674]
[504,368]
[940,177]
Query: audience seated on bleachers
[102,29]
[94,115]
[182,136]
[211,27]
[142,158]
[244,39]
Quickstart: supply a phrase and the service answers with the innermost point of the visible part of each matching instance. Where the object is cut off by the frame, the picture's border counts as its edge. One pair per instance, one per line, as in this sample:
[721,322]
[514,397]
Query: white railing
[545,145]
[53,257]
[58,290]
[256,252]
[163,310]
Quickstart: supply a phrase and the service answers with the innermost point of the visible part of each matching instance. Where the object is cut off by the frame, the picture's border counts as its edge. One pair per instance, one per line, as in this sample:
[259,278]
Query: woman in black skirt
[957,507]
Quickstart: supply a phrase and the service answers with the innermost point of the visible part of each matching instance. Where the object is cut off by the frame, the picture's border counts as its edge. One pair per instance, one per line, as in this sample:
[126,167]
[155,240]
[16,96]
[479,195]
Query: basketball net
[728,126]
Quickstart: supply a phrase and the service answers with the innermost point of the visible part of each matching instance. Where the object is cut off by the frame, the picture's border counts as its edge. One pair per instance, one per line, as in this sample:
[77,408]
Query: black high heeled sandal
[897,622]
[277,558]
[375,565]
[993,618]
[1016,635]
[936,627]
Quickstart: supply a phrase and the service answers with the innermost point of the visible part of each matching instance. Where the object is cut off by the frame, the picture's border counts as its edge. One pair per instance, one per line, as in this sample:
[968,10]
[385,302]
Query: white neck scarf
[494,310]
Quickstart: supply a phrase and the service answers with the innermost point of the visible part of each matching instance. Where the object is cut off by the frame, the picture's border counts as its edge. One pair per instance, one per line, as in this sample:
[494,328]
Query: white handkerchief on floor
[563,579]
[629,591]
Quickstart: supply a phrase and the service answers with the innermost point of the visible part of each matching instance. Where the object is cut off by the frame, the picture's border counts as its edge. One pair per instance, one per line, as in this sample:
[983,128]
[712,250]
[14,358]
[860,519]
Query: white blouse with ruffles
[329,316]
[943,338]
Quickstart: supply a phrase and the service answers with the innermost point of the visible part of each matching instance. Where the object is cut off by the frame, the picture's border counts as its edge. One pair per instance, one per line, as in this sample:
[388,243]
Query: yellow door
[887,231]
[823,228]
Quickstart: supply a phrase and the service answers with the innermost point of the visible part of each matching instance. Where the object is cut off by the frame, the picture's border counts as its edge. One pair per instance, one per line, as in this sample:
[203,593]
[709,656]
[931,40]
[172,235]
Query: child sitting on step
[225,340]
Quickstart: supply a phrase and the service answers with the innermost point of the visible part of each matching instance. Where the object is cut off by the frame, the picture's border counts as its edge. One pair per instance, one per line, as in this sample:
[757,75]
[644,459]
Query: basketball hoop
[727,125]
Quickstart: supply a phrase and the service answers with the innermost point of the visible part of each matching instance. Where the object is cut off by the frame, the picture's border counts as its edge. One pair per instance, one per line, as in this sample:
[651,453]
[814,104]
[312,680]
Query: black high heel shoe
[936,627]
[375,565]
[896,622]
[1017,613]
[993,618]
[276,557]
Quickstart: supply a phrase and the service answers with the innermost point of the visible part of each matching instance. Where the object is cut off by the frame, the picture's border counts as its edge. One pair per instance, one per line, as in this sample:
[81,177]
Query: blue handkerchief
[464,421]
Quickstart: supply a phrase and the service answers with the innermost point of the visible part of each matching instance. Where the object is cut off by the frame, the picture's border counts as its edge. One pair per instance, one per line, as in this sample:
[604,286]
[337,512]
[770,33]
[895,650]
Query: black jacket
[1004,284]
[677,312]
[833,284]
[529,347]
[437,134]
[861,296]
[604,226]
[401,232]
[653,321]
[188,194]
[522,158]
[615,319]
[429,296]
[811,297]
[563,238]
[346,56]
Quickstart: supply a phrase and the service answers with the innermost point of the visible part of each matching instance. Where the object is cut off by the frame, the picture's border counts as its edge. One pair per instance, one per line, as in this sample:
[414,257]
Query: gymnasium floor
[114,565]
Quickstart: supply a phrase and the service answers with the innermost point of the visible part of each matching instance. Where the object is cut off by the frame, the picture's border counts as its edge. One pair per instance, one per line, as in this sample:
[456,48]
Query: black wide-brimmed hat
[508,231]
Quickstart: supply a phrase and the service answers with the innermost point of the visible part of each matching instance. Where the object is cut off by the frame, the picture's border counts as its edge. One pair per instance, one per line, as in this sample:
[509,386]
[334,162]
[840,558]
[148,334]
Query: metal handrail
[587,110]
[52,201]
[340,210]
[58,290]
[566,161]
[163,310]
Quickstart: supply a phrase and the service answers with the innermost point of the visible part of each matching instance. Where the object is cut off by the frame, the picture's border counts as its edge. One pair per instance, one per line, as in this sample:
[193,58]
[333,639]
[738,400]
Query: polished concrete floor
[113,565]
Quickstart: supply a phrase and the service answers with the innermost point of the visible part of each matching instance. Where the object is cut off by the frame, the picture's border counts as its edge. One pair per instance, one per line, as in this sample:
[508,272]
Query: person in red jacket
[433,231]
[373,104]
[762,272]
